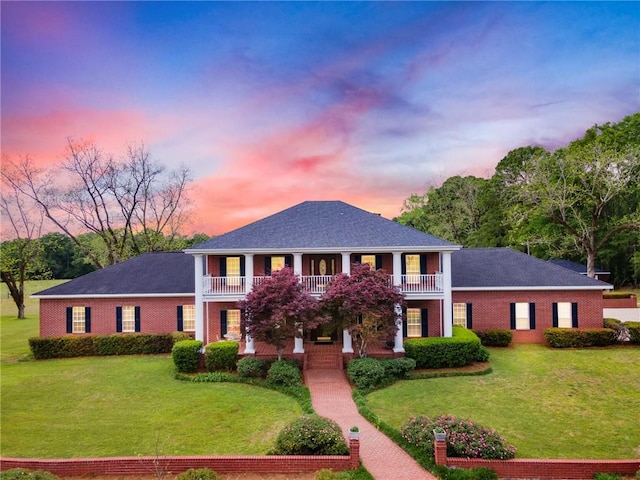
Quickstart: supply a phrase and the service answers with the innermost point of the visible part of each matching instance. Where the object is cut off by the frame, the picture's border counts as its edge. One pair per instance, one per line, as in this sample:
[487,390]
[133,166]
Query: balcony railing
[317,284]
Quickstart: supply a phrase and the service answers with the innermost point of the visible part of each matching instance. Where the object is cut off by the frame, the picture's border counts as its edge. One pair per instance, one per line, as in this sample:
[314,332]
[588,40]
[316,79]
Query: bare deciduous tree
[22,223]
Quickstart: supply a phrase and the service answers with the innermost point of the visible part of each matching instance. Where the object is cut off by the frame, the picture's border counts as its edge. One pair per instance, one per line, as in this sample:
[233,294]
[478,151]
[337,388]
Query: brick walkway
[331,398]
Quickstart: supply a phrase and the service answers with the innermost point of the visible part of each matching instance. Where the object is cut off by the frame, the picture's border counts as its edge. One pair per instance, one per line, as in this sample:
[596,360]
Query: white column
[347,345]
[397,268]
[346,262]
[297,263]
[347,342]
[248,345]
[447,304]
[248,272]
[398,344]
[298,346]
[199,275]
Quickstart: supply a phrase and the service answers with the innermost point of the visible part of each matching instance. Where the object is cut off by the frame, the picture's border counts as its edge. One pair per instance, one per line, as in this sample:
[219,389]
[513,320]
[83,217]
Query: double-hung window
[412,265]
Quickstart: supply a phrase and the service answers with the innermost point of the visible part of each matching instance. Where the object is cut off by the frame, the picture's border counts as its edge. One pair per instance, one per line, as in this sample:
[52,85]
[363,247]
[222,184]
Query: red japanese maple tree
[365,303]
[278,309]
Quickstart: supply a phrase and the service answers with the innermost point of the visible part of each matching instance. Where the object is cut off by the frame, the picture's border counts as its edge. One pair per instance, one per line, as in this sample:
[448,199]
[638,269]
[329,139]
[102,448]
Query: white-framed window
[522,316]
[128,318]
[188,318]
[233,323]
[414,322]
[233,271]
[79,322]
[277,263]
[412,266]
[460,314]
[368,260]
[565,317]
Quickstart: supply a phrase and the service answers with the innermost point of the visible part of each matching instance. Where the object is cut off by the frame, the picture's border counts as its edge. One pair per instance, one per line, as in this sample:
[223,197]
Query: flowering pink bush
[464,438]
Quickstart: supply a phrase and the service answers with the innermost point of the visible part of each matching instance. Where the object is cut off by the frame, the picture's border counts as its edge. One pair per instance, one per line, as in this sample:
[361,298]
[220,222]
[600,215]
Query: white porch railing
[317,284]
[431,283]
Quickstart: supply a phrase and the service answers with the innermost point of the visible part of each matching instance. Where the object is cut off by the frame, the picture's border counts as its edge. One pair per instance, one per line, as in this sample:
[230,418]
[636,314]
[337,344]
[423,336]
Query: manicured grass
[110,406]
[548,403]
[15,333]
[113,406]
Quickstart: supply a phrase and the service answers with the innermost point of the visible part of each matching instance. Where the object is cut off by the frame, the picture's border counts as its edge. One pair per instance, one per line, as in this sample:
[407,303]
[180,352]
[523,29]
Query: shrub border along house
[459,350]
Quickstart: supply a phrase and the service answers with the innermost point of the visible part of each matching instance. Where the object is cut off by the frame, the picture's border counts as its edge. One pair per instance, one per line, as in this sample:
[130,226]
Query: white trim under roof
[320,250]
[530,288]
[113,295]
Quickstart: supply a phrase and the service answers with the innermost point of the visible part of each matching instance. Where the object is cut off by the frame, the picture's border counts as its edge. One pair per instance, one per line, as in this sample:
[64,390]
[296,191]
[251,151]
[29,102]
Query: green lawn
[112,406]
[548,403]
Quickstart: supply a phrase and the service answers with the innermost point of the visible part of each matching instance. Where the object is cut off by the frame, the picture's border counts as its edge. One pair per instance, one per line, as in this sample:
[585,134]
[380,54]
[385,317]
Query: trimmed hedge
[221,355]
[579,337]
[310,435]
[494,337]
[616,295]
[634,332]
[461,349]
[198,474]
[186,355]
[251,367]
[284,373]
[369,373]
[100,345]
[26,474]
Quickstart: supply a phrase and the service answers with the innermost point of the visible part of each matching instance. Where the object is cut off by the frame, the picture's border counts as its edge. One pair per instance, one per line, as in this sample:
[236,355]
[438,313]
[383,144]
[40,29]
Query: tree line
[579,202]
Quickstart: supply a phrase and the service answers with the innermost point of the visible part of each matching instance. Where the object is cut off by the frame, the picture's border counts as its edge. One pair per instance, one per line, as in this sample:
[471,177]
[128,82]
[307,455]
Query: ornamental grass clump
[464,438]
[310,435]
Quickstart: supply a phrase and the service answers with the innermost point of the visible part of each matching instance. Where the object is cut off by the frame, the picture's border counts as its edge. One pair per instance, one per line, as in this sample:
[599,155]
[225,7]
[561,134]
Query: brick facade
[491,309]
[157,314]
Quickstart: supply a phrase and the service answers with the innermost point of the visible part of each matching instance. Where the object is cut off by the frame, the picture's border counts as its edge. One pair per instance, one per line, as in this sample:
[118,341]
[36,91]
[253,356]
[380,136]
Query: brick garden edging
[542,468]
[75,467]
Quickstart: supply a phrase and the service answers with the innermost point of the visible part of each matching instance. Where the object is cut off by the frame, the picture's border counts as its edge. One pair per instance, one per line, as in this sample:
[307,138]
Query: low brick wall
[540,468]
[75,467]
[631,302]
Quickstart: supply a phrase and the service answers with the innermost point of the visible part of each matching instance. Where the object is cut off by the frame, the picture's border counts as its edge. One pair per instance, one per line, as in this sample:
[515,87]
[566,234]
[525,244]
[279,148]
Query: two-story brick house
[198,290]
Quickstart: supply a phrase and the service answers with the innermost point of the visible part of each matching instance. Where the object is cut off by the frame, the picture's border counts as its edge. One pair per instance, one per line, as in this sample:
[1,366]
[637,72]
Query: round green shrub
[464,438]
[365,373]
[494,337]
[221,355]
[26,474]
[310,435]
[398,368]
[198,474]
[483,354]
[251,367]
[283,373]
[186,355]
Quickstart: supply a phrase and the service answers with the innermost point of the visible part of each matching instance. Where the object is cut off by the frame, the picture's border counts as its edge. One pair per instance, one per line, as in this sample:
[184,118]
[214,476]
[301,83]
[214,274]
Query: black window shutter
[87,319]
[423,264]
[223,323]
[223,266]
[574,315]
[267,266]
[288,260]
[532,316]
[513,316]
[404,322]
[69,319]
[554,314]
[180,318]
[137,319]
[424,318]
[404,264]
[118,319]
[357,258]
[242,267]
[469,316]
[360,319]
[378,262]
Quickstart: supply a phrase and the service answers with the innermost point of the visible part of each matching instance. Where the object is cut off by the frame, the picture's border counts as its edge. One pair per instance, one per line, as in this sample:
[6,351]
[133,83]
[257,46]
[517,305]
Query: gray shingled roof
[576,267]
[147,274]
[503,268]
[329,225]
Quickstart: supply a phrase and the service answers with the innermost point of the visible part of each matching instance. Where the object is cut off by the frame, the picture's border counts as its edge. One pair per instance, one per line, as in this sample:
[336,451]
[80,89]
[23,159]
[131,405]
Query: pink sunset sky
[271,104]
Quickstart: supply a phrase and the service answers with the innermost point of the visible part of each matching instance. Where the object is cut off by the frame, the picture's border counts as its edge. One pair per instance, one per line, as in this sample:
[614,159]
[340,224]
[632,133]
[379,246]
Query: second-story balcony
[317,284]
